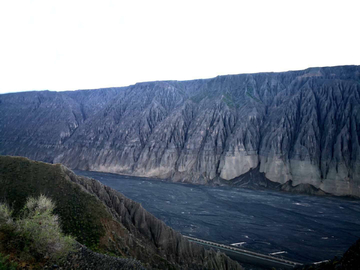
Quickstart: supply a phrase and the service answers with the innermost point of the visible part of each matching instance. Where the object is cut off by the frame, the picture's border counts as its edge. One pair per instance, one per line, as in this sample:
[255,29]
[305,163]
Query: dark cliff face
[103,218]
[302,126]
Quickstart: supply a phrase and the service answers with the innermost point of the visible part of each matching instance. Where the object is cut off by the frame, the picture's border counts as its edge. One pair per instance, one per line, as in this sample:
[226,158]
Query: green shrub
[81,213]
[43,228]
[5,264]
[5,215]
[37,233]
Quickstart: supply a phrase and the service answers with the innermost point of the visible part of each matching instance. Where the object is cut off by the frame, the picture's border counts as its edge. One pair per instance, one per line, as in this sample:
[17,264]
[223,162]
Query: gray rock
[300,125]
[84,258]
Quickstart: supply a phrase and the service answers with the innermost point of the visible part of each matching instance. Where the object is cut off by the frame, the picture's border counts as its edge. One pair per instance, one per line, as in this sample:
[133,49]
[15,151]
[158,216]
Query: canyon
[298,129]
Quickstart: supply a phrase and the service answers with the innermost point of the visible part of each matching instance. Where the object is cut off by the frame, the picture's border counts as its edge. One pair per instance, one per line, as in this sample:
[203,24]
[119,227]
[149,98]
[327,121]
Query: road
[305,228]
[247,256]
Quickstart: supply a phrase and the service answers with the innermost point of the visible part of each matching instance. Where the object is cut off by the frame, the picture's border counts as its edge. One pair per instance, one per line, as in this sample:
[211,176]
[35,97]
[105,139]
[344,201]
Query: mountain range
[295,129]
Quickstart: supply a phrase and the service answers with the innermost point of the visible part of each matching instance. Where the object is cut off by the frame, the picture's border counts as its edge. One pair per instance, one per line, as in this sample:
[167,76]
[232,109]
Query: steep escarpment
[104,219]
[301,126]
[35,124]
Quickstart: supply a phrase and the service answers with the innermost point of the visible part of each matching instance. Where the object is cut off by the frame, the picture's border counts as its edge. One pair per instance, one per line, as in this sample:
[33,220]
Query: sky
[68,45]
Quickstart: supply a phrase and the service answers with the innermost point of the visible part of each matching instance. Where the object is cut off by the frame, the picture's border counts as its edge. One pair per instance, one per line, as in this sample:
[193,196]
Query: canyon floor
[303,228]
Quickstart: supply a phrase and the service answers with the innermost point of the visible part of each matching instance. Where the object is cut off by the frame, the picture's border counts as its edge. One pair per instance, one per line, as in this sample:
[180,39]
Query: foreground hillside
[350,260]
[102,218]
[301,126]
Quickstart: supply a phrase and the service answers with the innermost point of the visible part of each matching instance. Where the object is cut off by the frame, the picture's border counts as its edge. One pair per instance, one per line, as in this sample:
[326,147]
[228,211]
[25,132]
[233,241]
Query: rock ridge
[117,225]
[301,126]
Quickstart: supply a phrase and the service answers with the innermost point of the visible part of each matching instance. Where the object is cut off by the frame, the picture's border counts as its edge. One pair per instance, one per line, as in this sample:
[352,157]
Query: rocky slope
[301,126]
[102,218]
[85,259]
[350,260]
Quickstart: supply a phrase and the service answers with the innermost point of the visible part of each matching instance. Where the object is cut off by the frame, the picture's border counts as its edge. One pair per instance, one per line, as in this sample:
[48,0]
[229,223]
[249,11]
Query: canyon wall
[302,126]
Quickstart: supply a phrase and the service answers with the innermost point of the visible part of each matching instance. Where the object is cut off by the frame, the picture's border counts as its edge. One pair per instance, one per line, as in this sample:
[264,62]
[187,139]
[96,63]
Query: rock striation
[88,210]
[301,126]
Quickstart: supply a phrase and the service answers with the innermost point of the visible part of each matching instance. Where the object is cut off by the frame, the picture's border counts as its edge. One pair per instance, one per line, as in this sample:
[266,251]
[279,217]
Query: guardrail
[243,251]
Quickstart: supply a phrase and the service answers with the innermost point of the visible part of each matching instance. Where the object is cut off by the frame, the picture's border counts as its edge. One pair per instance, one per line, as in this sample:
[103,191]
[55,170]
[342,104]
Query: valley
[300,228]
[230,160]
[299,129]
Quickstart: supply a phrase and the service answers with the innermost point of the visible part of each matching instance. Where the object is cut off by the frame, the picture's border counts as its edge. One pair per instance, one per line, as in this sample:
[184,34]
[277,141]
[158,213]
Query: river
[296,227]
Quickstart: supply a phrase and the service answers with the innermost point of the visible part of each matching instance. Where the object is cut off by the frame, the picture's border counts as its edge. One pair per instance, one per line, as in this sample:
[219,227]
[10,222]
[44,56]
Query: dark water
[307,228]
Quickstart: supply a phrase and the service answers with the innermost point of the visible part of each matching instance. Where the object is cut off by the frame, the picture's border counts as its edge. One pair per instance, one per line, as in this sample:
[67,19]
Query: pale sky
[67,45]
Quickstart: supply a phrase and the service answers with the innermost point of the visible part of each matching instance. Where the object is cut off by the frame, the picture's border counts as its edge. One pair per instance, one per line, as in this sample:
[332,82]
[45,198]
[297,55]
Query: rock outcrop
[104,219]
[301,126]
[83,258]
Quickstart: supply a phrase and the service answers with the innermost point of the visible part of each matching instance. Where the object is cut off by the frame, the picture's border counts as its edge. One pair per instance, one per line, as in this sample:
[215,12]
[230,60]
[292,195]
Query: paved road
[247,256]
